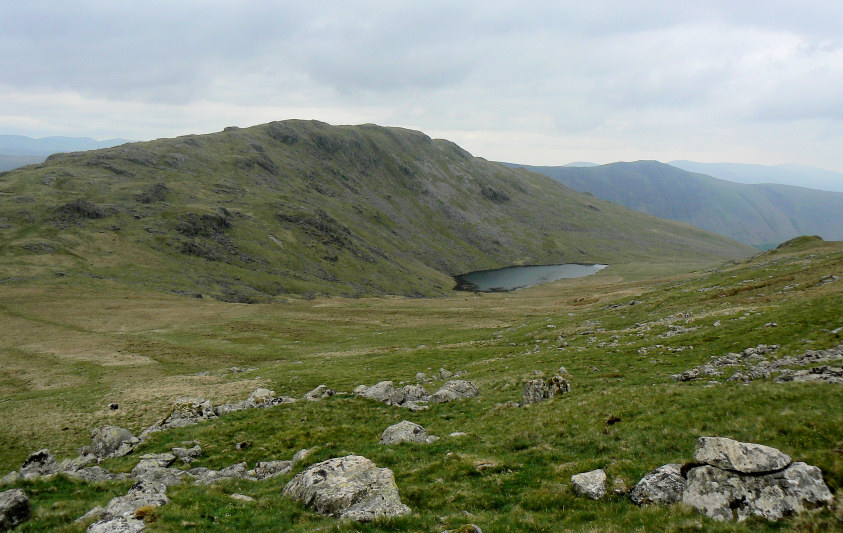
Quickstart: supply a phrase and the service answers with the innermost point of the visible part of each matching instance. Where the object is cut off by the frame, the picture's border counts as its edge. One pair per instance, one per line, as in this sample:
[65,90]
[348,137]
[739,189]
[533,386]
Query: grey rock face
[117,525]
[739,456]
[322,391]
[408,393]
[406,431]
[40,463]
[456,389]
[14,509]
[380,392]
[111,441]
[261,398]
[664,485]
[348,487]
[590,484]
[727,495]
[537,390]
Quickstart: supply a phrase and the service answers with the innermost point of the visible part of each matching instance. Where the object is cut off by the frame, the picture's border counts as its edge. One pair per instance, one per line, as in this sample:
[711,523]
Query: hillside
[298,207]
[761,215]
[789,174]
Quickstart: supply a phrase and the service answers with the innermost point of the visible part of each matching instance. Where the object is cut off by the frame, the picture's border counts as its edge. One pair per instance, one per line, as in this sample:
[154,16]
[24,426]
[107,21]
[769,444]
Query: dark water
[519,277]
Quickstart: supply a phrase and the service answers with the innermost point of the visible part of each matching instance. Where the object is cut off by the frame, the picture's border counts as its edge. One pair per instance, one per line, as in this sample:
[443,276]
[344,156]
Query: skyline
[548,84]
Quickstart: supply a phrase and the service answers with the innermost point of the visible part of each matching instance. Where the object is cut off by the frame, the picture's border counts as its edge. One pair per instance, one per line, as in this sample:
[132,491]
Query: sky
[539,82]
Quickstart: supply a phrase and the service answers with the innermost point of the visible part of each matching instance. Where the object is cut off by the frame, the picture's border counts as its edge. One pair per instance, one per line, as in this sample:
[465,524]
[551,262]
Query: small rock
[269,469]
[739,456]
[187,455]
[40,463]
[457,434]
[260,398]
[663,485]
[118,524]
[380,391]
[408,393]
[467,528]
[205,476]
[537,390]
[320,392]
[114,406]
[348,487]
[590,484]
[301,455]
[14,509]
[242,497]
[406,431]
[421,376]
[243,445]
[455,390]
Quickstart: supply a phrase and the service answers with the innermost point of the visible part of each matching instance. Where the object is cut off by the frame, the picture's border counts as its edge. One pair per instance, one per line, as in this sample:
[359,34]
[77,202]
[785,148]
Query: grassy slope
[760,214]
[300,207]
[78,347]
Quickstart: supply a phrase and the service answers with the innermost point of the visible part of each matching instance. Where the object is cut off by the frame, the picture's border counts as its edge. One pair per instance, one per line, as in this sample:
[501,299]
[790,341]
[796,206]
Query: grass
[76,348]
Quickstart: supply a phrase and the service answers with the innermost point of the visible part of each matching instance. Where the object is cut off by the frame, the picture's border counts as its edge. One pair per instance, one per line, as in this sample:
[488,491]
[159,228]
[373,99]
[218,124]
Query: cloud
[613,74]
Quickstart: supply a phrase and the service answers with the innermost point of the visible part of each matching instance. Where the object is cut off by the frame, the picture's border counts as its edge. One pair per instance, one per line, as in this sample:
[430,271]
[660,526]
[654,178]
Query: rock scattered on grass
[111,441]
[664,485]
[320,392]
[14,509]
[537,390]
[406,431]
[743,457]
[590,484]
[348,487]
[456,389]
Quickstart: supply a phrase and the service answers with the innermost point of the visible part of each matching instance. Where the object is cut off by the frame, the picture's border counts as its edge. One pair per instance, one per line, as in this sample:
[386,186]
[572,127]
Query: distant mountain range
[297,207]
[762,215]
[790,174]
[18,150]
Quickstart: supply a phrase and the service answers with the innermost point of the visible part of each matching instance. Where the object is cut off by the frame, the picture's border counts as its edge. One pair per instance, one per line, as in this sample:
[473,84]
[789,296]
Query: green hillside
[759,214]
[296,207]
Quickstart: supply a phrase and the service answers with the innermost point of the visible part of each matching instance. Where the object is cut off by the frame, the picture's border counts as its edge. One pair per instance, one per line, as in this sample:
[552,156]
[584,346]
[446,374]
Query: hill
[300,207]
[789,174]
[18,151]
[761,215]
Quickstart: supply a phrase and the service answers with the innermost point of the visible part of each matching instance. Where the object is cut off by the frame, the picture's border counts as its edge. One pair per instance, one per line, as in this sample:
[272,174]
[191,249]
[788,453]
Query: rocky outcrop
[14,509]
[408,393]
[348,487]
[727,495]
[406,431]
[111,441]
[121,512]
[590,484]
[738,480]
[664,485]
[456,389]
[537,390]
[40,463]
[188,455]
[380,392]
[320,392]
[739,456]
[206,476]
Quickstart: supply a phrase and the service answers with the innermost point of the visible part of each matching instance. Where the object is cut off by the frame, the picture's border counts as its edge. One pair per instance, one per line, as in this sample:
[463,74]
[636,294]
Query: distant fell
[302,207]
[22,145]
[762,215]
[788,174]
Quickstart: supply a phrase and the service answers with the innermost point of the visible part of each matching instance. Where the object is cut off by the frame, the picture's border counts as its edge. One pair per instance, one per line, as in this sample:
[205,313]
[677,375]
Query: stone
[728,495]
[71,465]
[456,389]
[664,485]
[590,484]
[445,374]
[188,411]
[206,476]
[320,392]
[348,487]
[159,459]
[14,509]
[301,455]
[142,494]
[269,469]
[242,497]
[406,431]
[408,393]
[537,390]
[94,474]
[159,474]
[380,391]
[421,376]
[10,478]
[187,455]
[40,463]
[226,408]
[117,525]
[467,528]
[111,441]
[457,434]
[739,456]
[260,398]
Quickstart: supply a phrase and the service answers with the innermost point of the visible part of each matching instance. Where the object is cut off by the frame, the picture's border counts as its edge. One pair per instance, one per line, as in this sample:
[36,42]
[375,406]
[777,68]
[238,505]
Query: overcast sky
[530,82]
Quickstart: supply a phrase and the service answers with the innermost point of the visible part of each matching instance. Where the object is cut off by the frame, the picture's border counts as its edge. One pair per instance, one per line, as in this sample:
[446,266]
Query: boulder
[71,465]
[40,463]
[348,487]
[187,455]
[537,390]
[301,455]
[187,411]
[94,474]
[226,408]
[727,494]
[205,476]
[142,494]
[380,392]
[663,485]
[14,509]
[260,398]
[117,525]
[268,469]
[111,441]
[739,456]
[408,393]
[322,391]
[456,389]
[590,484]
[406,431]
